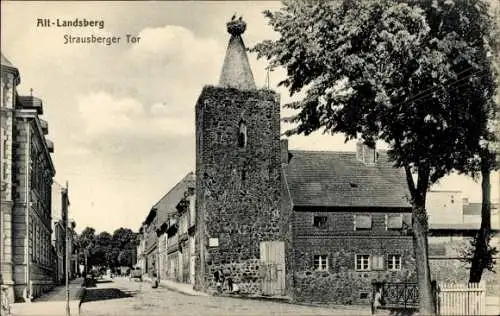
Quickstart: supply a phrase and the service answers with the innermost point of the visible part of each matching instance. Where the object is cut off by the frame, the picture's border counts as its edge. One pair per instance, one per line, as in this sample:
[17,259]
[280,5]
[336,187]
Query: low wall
[346,287]
[457,271]
[246,274]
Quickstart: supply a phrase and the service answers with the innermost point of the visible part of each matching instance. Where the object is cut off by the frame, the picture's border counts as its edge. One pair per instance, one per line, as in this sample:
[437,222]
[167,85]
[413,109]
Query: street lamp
[67,271]
[67,230]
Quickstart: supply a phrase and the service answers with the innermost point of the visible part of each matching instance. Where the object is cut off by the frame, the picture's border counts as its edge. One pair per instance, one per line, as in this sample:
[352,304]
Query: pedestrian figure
[219,280]
[377,298]
[233,287]
[155,280]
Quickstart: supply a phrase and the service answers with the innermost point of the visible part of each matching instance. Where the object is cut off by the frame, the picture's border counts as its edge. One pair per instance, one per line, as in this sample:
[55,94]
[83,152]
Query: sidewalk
[188,290]
[53,303]
[183,288]
[492,305]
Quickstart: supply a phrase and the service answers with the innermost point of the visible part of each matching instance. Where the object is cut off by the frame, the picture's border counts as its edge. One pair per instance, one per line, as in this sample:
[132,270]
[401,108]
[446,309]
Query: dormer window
[242,135]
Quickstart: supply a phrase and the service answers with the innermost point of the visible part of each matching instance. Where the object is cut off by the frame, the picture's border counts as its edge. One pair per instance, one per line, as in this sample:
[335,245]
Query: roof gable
[166,206]
[338,179]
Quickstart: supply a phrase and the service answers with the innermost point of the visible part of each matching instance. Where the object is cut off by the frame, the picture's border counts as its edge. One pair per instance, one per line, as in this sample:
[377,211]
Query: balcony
[45,126]
[50,145]
[31,103]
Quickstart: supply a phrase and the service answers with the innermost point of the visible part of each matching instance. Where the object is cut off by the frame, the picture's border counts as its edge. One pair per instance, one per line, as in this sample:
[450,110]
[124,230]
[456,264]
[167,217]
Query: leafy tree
[385,70]
[124,243]
[484,253]
[470,20]
[126,257]
[105,249]
[101,252]
[85,241]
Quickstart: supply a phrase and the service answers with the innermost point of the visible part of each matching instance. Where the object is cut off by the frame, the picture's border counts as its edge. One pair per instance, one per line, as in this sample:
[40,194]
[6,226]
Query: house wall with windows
[445,206]
[337,261]
[27,259]
[166,233]
[150,243]
[351,225]
[450,242]
[141,247]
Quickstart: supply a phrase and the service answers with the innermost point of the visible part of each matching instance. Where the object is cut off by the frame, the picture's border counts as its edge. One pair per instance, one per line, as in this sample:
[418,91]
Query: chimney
[236,72]
[284,151]
[366,153]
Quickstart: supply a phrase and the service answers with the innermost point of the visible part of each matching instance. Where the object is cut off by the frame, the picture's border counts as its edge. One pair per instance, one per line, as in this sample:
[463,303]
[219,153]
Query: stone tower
[238,172]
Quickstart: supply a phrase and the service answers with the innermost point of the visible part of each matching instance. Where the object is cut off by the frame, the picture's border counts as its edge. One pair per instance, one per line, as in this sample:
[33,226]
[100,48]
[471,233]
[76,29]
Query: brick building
[27,172]
[176,232]
[141,248]
[58,232]
[150,251]
[315,226]
[351,218]
[453,223]
[167,234]
[60,227]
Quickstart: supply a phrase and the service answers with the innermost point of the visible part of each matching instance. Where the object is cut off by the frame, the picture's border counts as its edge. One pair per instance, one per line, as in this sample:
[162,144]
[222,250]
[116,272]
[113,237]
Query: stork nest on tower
[236,27]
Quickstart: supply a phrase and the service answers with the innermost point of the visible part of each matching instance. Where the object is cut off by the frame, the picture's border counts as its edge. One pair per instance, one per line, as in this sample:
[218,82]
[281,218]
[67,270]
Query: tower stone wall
[238,182]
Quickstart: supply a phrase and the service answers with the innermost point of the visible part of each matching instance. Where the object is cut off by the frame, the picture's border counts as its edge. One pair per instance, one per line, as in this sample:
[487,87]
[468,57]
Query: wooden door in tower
[272,255]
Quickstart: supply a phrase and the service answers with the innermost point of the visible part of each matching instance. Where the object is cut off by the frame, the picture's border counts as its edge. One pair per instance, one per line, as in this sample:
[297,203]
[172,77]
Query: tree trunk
[419,226]
[479,259]
[427,304]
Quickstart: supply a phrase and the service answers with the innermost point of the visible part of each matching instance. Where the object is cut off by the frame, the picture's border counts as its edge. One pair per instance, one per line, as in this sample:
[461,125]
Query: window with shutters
[362,263]
[321,262]
[362,222]
[320,221]
[377,262]
[394,221]
[394,262]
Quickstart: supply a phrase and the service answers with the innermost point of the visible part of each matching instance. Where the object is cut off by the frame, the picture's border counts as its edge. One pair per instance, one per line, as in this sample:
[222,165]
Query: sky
[122,116]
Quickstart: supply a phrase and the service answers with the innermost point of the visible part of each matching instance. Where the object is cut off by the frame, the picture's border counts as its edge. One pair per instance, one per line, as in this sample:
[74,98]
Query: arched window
[242,135]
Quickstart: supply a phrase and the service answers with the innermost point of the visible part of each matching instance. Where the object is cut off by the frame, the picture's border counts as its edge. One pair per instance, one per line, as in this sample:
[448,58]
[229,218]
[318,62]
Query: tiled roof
[165,207]
[338,179]
[455,226]
[31,102]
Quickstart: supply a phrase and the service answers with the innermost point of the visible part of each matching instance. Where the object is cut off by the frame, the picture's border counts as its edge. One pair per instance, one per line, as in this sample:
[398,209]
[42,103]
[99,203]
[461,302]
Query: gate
[399,294]
[272,255]
[461,299]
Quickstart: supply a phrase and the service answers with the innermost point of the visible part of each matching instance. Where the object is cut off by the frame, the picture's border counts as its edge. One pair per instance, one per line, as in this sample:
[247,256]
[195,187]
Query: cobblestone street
[121,297]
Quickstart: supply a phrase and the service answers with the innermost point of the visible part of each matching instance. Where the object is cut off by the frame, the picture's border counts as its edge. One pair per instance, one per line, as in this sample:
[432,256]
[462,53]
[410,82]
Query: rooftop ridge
[332,151]
[185,179]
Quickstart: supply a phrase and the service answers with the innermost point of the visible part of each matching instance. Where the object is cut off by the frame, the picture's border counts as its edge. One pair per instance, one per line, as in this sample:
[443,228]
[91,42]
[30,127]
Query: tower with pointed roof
[238,173]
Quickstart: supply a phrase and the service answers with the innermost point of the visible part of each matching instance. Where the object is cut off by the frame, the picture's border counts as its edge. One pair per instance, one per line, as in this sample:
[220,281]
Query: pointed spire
[236,72]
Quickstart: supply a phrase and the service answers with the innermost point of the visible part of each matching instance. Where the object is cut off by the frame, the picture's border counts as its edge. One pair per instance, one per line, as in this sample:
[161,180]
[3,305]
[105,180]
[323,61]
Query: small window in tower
[242,135]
